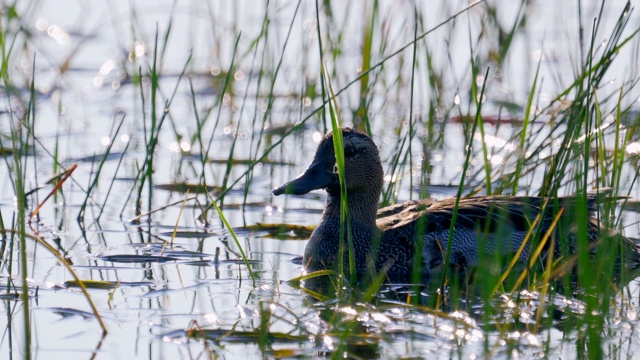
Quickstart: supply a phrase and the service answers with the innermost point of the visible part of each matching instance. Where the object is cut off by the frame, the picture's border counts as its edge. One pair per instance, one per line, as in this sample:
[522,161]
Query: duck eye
[349,151]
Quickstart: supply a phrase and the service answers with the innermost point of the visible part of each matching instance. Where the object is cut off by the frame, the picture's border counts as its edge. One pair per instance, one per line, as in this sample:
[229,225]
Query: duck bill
[315,177]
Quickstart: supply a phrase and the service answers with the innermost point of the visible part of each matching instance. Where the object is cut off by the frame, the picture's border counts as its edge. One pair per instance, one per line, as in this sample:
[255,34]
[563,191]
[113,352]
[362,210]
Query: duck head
[363,169]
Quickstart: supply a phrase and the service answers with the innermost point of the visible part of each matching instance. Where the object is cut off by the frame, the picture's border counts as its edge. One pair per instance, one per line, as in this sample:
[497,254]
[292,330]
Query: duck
[391,238]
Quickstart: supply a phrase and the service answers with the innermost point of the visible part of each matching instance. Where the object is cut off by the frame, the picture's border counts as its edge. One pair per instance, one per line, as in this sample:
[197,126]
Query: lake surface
[233,78]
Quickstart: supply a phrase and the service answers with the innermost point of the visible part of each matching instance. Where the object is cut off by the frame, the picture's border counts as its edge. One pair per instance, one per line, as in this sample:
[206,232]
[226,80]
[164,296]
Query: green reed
[477,123]
[19,142]
[345,218]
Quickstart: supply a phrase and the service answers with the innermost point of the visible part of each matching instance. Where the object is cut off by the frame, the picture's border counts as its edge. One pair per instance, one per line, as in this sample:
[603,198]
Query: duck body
[391,238]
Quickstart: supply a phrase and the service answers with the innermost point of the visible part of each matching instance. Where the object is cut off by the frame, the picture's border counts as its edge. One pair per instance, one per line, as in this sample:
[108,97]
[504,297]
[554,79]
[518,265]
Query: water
[87,56]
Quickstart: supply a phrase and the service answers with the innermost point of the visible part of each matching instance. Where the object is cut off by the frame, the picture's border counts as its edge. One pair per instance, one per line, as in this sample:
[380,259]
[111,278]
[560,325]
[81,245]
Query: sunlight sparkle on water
[349,310]
[179,147]
[633,148]
[391,178]
[328,342]
[58,34]
[55,70]
[98,81]
[378,317]
[537,55]
[309,24]
[212,318]
[139,49]
[545,96]
[42,24]
[317,136]
[269,209]
[106,68]
[496,159]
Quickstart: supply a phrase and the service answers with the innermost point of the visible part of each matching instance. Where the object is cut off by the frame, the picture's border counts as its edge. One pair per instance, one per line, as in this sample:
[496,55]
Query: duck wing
[497,215]
[407,206]
[483,212]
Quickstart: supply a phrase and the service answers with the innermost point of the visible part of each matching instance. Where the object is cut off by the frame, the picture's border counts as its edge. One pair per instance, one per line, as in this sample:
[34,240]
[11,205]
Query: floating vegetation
[5,151]
[181,187]
[99,284]
[133,258]
[10,296]
[111,156]
[92,284]
[249,162]
[195,234]
[282,231]
[69,312]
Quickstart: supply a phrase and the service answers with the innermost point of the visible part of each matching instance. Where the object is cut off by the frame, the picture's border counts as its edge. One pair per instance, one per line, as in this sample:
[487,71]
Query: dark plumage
[389,237]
